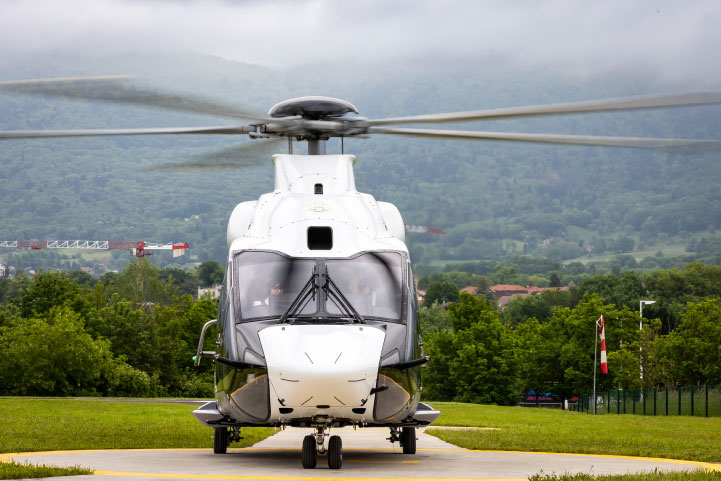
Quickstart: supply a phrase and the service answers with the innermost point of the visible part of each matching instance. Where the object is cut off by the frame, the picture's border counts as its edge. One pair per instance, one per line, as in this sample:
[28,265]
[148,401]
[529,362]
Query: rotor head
[312,108]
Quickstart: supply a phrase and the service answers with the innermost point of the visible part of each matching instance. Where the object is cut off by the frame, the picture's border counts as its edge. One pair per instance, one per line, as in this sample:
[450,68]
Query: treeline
[546,342]
[130,334]
[134,334]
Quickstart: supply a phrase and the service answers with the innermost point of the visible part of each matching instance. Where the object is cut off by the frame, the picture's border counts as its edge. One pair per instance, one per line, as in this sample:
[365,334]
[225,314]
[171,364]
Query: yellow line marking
[302,478]
[367,461]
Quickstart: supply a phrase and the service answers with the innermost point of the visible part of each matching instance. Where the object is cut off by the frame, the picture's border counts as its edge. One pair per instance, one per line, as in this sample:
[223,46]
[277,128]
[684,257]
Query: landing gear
[335,452]
[310,454]
[220,440]
[406,437]
[408,440]
[313,445]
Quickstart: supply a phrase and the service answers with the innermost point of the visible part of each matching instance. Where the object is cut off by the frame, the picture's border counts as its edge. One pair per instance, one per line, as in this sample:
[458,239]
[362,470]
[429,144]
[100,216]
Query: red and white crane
[137,248]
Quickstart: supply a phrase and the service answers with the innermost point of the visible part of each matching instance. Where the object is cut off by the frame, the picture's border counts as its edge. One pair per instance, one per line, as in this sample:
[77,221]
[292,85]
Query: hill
[493,199]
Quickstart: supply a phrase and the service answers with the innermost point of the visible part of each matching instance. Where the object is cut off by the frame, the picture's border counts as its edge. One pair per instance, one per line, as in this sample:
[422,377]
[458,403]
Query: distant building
[212,292]
[505,293]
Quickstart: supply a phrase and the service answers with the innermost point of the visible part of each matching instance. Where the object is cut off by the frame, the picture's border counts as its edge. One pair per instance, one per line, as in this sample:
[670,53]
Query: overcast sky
[674,40]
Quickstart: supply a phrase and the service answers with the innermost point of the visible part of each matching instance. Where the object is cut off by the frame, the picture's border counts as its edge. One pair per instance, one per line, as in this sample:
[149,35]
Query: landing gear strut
[313,445]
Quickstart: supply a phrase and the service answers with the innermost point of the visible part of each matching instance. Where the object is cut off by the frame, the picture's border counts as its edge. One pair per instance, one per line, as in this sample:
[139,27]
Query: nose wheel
[309,457]
[335,452]
[313,445]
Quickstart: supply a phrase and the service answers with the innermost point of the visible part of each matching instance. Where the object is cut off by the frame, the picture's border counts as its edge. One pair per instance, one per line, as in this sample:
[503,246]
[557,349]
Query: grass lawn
[19,471]
[680,476]
[50,425]
[550,430]
[47,425]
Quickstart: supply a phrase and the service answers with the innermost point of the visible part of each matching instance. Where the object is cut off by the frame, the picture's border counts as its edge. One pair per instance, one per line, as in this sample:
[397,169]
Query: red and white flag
[604,365]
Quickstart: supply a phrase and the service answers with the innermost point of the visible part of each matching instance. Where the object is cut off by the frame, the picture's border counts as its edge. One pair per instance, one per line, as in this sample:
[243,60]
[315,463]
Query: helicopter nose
[322,366]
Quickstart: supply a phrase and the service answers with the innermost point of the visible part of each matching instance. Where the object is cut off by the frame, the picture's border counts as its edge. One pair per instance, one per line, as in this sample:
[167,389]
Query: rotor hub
[312,108]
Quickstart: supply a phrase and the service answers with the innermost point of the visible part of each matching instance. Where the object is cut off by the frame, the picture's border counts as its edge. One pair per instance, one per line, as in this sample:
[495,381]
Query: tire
[310,454]
[408,440]
[220,441]
[335,452]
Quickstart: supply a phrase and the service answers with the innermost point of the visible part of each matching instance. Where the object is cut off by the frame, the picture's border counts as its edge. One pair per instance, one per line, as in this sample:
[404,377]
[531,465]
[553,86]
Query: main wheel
[408,440]
[335,452]
[220,440]
[310,455]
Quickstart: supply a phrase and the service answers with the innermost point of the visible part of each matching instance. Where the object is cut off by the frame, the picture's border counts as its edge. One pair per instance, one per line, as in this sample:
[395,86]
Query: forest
[134,334]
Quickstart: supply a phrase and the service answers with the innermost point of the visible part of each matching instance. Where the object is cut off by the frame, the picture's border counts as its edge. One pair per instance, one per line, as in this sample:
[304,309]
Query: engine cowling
[240,220]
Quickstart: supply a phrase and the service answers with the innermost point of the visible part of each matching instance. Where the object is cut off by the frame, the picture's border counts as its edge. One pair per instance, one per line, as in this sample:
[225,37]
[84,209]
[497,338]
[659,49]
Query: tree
[80,277]
[434,320]
[210,273]
[441,292]
[476,362]
[185,281]
[48,290]
[523,308]
[62,359]
[691,354]
[140,283]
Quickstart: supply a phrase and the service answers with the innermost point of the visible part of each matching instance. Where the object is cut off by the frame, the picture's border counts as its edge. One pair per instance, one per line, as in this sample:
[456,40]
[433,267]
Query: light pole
[640,328]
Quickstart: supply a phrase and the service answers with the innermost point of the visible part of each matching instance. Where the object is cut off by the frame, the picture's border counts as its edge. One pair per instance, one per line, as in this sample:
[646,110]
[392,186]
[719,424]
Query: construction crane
[137,248]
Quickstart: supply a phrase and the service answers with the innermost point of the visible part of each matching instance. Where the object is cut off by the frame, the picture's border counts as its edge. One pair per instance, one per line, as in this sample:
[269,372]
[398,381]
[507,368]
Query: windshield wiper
[308,290]
[339,299]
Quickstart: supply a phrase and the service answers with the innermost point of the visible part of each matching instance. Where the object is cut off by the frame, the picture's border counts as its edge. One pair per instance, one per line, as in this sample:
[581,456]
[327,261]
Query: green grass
[550,430]
[20,471]
[60,424]
[658,476]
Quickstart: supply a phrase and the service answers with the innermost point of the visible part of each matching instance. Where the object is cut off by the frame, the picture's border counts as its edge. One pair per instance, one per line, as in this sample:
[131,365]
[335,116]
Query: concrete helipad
[366,455]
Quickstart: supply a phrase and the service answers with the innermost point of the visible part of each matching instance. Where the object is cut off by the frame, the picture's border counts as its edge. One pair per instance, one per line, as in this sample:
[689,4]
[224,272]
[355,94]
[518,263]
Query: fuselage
[318,311]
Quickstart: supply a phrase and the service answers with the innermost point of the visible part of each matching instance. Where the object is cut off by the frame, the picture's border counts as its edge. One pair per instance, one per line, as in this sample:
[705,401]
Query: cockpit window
[371,282]
[266,283]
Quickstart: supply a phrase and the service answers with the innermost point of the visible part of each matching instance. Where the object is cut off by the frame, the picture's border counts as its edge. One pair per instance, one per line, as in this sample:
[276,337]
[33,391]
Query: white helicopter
[317,322]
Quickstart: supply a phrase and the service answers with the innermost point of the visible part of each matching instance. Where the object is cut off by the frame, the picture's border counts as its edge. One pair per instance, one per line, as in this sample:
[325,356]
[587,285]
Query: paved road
[366,454]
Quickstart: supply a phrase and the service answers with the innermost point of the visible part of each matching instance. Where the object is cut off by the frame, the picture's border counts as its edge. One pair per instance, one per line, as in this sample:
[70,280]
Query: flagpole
[595,353]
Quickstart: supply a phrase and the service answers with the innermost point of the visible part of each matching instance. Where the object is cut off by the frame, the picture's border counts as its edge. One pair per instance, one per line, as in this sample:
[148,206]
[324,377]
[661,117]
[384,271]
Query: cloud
[675,41]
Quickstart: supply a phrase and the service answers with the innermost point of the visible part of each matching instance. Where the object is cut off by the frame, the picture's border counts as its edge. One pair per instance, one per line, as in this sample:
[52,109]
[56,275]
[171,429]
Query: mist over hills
[494,199]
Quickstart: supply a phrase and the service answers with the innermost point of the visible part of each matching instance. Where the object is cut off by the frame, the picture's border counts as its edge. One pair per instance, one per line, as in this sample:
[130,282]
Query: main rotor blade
[237,156]
[686,145]
[30,134]
[603,105]
[118,89]
[65,80]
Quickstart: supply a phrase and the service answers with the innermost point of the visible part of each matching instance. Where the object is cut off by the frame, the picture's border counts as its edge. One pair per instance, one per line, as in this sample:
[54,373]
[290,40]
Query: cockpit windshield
[265,284]
[371,282]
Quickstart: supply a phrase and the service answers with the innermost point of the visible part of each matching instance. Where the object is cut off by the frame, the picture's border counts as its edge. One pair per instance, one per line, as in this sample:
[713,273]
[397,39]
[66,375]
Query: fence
[702,401]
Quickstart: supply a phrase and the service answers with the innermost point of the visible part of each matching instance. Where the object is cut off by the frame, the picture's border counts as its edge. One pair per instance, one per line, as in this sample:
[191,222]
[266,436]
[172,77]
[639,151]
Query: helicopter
[317,323]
